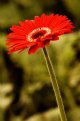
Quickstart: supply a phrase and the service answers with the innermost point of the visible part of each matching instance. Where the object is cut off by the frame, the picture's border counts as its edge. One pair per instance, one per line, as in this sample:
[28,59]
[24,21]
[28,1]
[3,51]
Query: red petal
[17,29]
[43,20]
[16,36]
[55,37]
[46,42]
[60,23]
[33,49]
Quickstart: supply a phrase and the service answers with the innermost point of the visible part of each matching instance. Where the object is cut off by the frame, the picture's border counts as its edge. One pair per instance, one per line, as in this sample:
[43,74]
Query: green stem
[55,85]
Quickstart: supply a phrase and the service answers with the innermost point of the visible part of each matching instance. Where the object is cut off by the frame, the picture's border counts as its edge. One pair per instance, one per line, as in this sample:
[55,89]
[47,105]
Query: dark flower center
[39,32]
[35,36]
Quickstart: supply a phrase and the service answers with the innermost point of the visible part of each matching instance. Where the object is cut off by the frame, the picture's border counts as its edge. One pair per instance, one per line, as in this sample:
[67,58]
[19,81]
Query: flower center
[38,33]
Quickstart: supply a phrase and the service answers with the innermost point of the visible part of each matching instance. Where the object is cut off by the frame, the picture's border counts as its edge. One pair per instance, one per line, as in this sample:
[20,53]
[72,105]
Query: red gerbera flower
[37,33]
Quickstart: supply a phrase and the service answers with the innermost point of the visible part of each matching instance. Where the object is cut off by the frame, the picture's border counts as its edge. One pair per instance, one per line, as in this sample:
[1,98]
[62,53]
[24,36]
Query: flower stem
[55,85]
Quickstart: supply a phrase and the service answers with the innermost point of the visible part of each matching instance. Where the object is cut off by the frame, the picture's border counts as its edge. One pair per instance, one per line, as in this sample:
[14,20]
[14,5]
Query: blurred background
[25,90]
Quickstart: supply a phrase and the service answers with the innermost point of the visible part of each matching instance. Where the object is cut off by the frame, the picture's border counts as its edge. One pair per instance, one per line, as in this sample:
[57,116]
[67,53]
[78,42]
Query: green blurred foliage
[9,15]
[73,7]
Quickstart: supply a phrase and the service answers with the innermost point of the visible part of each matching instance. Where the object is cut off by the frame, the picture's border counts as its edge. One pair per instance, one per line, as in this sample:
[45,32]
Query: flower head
[37,33]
